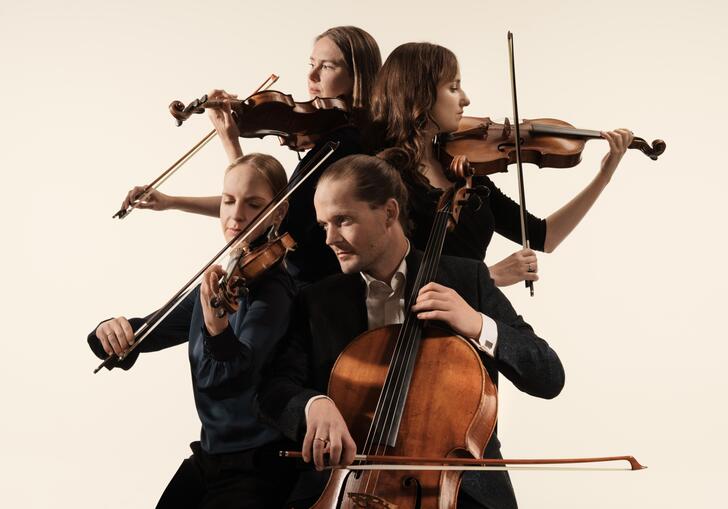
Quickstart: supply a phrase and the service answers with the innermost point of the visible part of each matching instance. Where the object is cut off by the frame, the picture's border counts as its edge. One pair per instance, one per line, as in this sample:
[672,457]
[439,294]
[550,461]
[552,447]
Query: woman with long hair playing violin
[226,353]
[417,96]
[343,63]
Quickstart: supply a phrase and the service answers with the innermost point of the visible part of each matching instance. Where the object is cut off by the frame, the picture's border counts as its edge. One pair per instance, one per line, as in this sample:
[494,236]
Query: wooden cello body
[450,411]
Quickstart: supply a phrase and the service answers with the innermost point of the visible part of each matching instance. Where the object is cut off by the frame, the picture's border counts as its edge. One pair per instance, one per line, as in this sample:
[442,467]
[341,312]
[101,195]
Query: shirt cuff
[488,336]
[308,404]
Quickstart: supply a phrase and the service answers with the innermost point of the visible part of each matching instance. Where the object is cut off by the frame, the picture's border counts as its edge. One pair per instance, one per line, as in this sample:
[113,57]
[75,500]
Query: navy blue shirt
[225,368]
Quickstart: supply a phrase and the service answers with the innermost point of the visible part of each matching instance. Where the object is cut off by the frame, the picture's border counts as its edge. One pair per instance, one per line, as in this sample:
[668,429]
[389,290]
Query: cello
[382,385]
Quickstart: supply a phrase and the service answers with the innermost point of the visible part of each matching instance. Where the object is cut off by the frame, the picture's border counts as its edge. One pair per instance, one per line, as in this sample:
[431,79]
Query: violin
[259,259]
[247,264]
[298,124]
[547,142]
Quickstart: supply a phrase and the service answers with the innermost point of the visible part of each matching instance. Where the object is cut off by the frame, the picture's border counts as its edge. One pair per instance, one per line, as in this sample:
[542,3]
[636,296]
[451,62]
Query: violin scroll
[245,267]
[181,112]
[652,151]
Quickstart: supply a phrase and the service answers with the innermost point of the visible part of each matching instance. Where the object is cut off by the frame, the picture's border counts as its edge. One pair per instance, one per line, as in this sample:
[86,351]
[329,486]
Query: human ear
[391,209]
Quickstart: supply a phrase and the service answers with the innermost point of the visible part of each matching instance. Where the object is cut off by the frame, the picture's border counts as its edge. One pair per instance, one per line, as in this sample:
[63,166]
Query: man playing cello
[360,203]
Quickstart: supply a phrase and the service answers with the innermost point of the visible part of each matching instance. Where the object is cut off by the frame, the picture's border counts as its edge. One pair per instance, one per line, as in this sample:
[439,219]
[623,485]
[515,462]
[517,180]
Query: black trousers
[253,479]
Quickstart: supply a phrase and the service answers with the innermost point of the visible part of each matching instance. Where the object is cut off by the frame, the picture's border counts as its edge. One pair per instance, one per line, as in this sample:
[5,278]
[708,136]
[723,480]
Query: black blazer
[331,313]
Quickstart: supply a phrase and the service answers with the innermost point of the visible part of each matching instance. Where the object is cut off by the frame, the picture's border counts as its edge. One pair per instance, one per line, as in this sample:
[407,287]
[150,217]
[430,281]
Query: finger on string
[432,305]
[433,286]
[441,316]
[431,294]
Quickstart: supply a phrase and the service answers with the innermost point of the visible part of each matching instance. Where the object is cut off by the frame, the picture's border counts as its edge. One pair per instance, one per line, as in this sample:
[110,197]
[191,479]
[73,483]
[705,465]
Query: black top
[225,368]
[473,233]
[312,259]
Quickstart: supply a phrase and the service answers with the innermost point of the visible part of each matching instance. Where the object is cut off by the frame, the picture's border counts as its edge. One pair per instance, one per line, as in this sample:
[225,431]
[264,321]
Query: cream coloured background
[632,301]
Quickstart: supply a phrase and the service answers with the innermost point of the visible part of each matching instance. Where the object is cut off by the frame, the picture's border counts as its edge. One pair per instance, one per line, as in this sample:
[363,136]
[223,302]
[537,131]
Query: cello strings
[411,335]
[385,394]
[426,274]
[405,331]
[398,346]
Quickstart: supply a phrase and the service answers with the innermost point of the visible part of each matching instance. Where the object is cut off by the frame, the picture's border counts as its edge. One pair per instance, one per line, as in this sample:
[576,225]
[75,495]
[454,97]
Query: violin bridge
[506,129]
[364,500]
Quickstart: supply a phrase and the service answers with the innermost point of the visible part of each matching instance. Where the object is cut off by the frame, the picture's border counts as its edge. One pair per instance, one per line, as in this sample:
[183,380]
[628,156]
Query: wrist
[476,325]
[495,274]
[215,328]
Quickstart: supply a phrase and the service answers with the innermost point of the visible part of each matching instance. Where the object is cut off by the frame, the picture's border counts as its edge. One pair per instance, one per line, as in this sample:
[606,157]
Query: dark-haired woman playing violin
[418,95]
[231,464]
[344,61]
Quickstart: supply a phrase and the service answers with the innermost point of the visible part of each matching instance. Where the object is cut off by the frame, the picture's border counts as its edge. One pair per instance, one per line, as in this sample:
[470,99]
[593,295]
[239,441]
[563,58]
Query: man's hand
[326,432]
[437,302]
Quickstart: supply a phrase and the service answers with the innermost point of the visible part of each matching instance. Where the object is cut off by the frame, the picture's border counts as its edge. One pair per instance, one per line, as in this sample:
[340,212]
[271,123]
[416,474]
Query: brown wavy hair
[362,57]
[404,93]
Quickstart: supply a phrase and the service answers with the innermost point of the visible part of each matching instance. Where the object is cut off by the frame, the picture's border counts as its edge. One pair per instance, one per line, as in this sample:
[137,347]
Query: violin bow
[161,179]
[381,462]
[521,188]
[148,326]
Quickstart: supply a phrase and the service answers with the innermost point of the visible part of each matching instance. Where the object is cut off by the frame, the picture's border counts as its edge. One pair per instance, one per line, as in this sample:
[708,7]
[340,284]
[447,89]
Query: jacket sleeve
[238,354]
[283,392]
[171,331]
[523,357]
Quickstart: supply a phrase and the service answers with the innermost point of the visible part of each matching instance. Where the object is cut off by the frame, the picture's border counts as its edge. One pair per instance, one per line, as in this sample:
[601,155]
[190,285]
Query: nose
[332,235]
[239,212]
[314,74]
[465,100]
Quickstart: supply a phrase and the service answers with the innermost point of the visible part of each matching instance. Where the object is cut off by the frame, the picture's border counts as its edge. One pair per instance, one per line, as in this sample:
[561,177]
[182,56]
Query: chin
[350,266]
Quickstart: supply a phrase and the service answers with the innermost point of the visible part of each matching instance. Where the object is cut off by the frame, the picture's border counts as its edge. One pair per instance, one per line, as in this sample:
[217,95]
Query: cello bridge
[365,500]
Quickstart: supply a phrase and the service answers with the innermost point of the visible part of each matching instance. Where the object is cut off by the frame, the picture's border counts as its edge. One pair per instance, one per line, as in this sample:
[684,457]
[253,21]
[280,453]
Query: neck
[432,168]
[385,267]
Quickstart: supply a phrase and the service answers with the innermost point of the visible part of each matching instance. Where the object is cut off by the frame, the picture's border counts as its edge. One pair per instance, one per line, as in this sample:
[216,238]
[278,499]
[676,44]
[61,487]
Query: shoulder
[332,287]
[457,269]
[349,138]
[276,280]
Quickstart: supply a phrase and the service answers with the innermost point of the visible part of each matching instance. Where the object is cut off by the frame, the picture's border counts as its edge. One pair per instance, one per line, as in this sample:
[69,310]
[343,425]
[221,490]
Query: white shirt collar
[398,278]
